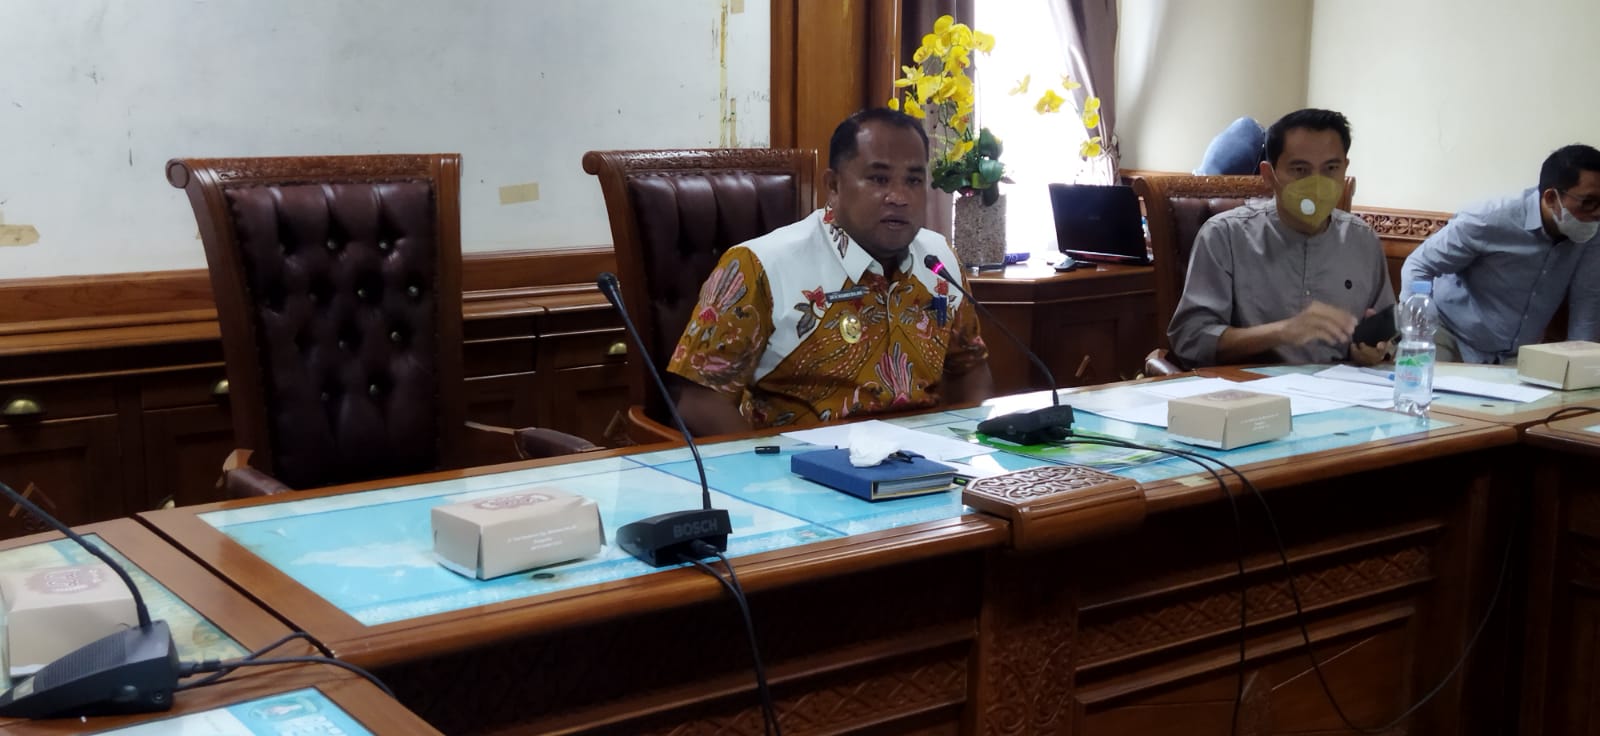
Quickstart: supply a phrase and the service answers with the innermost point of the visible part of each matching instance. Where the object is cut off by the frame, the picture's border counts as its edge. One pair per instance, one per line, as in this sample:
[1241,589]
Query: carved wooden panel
[1281,694]
[1416,226]
[1032,483]
[1026,653]
[892,641]
[1213,610]
[307,168]
[843,702]
[1058,504]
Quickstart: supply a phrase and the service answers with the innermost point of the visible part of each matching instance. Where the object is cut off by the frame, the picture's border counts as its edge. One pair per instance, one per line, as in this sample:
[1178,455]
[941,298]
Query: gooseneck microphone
[1038,426]
[131,671]
[666,539]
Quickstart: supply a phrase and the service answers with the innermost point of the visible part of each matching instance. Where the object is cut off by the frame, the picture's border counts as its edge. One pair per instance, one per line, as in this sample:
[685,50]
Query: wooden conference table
[1095,598]
[1561,691]
[209,620]
[300,699]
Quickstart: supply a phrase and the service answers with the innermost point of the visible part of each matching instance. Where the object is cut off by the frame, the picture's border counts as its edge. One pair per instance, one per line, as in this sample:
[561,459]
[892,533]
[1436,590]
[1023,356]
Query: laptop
[1099,223]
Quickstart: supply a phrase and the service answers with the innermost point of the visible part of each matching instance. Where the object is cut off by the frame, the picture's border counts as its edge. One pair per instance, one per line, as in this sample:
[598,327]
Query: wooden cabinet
[582,360]
[559,368]
[184,449]
[1088,326]
[108,444]
[72,467]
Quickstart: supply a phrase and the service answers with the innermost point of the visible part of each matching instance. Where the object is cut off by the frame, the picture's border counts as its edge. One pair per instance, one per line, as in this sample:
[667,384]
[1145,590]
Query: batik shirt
[804,327]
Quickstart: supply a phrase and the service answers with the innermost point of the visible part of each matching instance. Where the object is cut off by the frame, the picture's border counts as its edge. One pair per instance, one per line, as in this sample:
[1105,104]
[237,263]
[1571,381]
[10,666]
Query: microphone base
[664,539]
[1036,427]
[131,671]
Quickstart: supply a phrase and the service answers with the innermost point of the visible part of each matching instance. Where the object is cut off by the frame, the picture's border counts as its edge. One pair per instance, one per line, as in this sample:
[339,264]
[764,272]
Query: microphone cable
[1294,593]
[1568,412]
[769,714]
[219,669]
[1238,536]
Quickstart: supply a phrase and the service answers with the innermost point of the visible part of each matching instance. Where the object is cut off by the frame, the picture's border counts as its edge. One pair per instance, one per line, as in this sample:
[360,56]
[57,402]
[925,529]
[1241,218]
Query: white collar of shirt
[1533,216]
[855,260]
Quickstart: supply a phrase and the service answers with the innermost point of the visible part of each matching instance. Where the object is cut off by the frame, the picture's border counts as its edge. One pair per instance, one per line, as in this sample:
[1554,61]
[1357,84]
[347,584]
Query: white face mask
[1575,229]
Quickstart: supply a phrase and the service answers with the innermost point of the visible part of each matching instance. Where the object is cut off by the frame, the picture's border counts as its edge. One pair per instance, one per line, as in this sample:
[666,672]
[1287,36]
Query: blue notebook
[903,474]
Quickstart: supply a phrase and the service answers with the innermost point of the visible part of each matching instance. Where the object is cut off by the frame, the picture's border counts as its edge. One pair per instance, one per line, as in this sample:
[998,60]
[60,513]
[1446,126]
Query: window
[1039,149]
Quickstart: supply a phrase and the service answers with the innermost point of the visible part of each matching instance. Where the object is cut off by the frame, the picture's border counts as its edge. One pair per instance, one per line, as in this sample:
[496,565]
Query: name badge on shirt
[941,309]
[846,295]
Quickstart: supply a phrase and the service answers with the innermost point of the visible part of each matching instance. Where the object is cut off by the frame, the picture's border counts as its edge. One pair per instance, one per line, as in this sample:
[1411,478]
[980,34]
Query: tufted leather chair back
[338,288]
[1175,208]
[673,213]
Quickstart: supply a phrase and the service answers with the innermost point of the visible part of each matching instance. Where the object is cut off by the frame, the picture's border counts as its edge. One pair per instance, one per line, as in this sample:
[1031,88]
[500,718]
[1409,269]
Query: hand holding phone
[1377,329]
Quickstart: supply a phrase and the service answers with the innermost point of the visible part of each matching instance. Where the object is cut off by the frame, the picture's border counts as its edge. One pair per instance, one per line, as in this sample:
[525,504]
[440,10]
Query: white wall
[96,95]
[1187,68]
[1456,100]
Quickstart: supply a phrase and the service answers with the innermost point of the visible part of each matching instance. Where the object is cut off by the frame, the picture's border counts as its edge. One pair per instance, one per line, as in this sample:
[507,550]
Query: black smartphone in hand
[1376,329]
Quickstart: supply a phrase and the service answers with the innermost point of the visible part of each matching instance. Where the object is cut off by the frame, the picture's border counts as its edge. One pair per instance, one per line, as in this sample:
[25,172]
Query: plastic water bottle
[1413,360]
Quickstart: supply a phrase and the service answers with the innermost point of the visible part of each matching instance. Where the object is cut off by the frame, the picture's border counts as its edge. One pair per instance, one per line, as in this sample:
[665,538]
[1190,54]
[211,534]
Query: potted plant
[965,160]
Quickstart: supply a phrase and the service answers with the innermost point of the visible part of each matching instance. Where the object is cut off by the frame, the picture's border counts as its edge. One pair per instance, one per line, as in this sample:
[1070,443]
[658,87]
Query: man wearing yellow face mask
[1286,279]
[1501,269]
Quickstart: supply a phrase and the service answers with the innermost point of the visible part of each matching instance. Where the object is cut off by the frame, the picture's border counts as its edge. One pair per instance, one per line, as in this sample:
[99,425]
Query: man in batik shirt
[836,316]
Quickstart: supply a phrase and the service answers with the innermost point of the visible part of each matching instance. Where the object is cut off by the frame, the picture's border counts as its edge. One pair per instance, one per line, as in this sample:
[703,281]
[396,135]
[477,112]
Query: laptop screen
[1098,223]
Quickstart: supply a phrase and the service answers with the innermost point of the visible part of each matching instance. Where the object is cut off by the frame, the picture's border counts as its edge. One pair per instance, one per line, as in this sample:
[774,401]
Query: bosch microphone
[132,671]
[665,539]
[1034,427]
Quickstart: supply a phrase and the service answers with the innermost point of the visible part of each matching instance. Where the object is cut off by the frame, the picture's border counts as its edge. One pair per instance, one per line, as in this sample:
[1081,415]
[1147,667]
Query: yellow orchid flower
[935,44]
[1091,148]
[1050,102]
[921,54]
[961,123]
[915,110]
[1067,83]
[912,75]
[1091,113]
[1022,86]
[960,149]
[893,103]
[943,24]
[959,35]
[957,58]
[928,86]
[982,41]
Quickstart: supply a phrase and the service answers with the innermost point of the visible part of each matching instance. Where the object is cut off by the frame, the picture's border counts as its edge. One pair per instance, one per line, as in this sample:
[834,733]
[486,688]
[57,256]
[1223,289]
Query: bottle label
[1412,370]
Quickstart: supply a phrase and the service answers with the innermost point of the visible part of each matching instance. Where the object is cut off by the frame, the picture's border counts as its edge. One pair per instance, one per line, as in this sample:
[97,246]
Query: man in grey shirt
[1286,279]
[1501,269]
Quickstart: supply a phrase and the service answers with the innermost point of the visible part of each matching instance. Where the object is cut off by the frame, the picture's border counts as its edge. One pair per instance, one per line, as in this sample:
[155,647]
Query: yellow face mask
[1312,199]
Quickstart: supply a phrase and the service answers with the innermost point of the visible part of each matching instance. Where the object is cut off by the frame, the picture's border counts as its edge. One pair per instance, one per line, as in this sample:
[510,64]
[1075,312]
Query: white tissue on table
[868,448]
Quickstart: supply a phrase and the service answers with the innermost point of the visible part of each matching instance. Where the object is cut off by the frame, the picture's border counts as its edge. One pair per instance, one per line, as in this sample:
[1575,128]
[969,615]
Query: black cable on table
[1294,593]
[769,713]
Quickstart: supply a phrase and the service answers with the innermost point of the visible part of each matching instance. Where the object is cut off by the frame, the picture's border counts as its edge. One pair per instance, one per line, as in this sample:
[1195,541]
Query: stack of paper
[1448,384]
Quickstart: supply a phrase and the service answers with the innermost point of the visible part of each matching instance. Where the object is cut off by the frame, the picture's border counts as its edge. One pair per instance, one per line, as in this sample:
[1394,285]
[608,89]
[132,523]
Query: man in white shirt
[836,315]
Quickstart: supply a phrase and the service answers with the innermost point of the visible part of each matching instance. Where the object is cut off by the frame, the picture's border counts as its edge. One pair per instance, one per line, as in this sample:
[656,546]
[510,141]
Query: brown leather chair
[673,213]
[1175,208]
[338,288]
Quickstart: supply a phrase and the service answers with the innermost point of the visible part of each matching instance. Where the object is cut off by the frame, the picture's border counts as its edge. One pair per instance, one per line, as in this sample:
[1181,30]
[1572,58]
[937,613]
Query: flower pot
[980,231]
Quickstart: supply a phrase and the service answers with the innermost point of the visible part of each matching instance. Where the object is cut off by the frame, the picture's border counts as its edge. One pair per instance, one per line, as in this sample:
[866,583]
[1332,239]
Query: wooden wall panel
[29,306]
